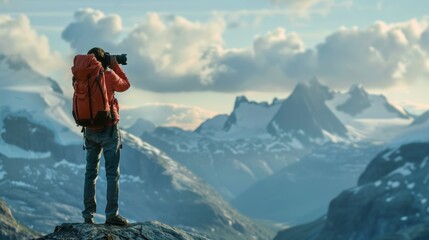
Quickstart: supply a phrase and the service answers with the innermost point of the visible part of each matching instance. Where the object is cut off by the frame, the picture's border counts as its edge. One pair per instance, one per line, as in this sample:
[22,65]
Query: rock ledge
[152,230]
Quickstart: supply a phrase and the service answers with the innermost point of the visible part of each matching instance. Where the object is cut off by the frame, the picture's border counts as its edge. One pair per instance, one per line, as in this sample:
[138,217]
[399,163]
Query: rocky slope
[10,229]
[137,231]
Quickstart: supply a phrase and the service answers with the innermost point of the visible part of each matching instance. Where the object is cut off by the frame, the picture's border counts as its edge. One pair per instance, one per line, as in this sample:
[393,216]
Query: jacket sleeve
[120,81]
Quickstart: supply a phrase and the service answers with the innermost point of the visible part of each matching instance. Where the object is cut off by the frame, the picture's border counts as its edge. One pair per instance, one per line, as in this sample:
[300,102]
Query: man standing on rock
[104,137]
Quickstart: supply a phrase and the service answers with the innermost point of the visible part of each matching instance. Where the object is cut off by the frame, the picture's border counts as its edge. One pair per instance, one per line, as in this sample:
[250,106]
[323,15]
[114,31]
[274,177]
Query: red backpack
[91,107]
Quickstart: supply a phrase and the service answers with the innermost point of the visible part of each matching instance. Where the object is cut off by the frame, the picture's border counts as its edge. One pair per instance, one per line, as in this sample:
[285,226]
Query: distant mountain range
[42,167]
[234,151]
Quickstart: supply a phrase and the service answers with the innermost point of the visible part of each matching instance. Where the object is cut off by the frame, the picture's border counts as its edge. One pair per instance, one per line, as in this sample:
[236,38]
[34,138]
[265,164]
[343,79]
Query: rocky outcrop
[391,197]
[137,231]
[389,203]
[10,228]
[309,231]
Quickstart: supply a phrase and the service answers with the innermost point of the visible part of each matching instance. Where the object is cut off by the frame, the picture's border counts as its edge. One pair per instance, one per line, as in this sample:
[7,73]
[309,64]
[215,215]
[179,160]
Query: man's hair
[99,54]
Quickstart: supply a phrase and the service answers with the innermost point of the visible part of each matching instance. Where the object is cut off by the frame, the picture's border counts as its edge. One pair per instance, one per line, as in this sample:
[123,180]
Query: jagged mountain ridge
[250,118]
[361,104]
[42,180]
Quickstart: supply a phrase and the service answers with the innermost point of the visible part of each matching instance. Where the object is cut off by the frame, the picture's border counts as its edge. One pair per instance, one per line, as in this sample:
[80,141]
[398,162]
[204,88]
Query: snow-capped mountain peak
[360,104]
[26,93]
[239,100]
[305,112]
[249,117]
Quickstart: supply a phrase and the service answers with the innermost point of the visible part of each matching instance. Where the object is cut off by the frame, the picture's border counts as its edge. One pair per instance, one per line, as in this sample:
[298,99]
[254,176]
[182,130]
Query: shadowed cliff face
[146,231]
[9,228]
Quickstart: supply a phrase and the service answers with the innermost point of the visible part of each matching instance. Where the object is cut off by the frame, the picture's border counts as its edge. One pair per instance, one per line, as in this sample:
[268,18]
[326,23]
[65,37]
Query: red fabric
[85,70]
[85,65]
[116,81]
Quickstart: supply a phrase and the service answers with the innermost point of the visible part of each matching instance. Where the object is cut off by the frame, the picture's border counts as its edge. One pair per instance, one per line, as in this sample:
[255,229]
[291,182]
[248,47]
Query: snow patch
[2,173]
[251,119]
[130,179]
[424,162]
[393,184]
[243,167]
[378,183]
[22,184]
[75,168]
[356,190]
[50,174]
[405,170]
[386,156]
[295,143]
[277,146]
[12,151]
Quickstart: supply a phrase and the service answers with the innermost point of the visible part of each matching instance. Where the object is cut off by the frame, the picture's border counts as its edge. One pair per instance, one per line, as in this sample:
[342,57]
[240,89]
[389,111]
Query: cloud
[302,8]
[173,54]
[19,38]
[381,55]
[92,28]
[161,114]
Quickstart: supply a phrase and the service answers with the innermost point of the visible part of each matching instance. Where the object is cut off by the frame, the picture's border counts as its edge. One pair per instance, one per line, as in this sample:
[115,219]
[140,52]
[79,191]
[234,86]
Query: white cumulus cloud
[379,56]
[18,37]
[174,54]
[92,28]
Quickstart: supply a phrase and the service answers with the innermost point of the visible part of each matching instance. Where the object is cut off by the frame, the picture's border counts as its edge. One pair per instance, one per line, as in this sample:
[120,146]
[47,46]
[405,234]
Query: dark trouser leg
[111,155]
[93,155]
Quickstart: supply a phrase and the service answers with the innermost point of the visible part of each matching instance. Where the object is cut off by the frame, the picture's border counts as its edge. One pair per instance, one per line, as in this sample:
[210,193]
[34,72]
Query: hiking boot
[89,220]
[117,220]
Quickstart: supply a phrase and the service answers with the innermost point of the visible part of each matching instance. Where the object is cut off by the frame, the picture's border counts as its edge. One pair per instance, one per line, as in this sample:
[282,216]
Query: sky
[195,57]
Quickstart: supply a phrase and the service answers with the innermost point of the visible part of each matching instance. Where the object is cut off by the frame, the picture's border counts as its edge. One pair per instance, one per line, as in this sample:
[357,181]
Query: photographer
[106,138]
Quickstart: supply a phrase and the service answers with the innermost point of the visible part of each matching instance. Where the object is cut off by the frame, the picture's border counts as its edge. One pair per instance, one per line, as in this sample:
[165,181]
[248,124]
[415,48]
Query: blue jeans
[107,140]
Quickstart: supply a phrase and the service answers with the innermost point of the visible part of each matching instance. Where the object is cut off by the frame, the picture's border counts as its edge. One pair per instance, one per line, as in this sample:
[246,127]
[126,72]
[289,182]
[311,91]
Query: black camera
[121,59]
